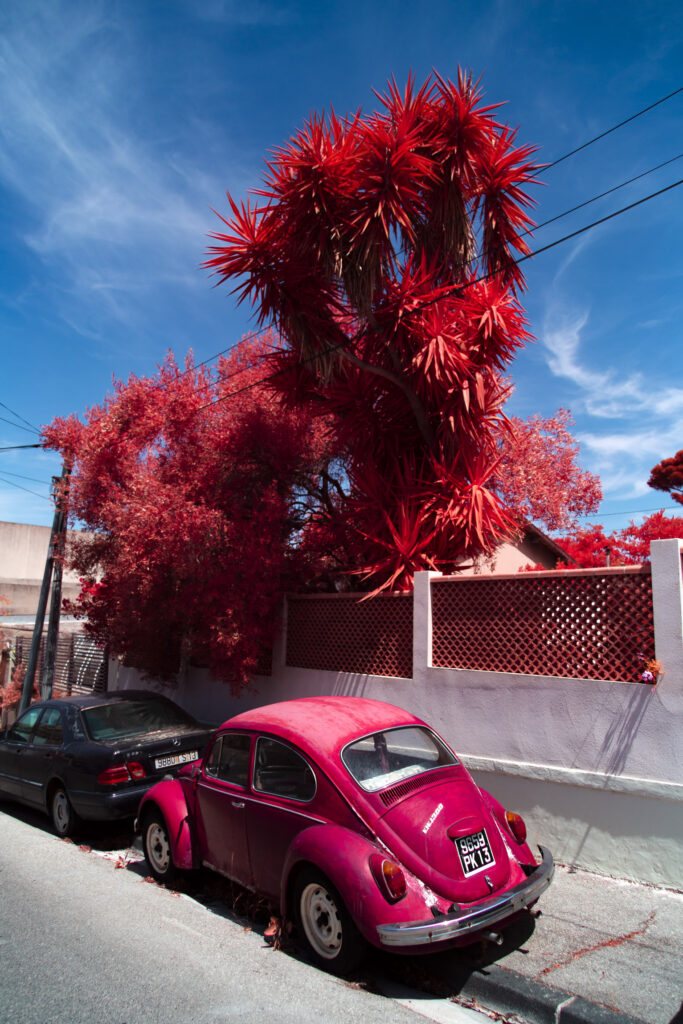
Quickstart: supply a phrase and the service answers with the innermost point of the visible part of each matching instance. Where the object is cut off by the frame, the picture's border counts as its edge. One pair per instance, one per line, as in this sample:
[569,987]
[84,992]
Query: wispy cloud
[651,412]
[109,211]
[603,393]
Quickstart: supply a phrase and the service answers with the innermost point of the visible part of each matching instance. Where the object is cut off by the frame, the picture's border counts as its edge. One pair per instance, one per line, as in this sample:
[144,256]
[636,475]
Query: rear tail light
[121,773]
[389,878]
[516,825]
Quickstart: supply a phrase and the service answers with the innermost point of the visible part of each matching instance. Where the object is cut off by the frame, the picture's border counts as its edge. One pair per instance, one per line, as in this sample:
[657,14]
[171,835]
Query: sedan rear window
[385,758]
[132,718]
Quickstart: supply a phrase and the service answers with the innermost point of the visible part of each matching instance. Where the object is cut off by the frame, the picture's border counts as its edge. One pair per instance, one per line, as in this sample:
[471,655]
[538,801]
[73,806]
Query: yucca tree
[382,247]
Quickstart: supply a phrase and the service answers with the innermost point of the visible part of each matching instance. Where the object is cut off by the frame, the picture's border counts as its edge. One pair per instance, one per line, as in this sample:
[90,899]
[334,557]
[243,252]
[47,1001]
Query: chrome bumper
[474,919]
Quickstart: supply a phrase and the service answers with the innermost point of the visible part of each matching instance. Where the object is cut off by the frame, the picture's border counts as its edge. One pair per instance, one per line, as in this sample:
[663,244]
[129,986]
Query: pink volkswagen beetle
[354,817]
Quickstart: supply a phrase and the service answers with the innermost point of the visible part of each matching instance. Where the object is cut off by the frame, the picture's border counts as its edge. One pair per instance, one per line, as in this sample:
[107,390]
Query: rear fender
[344,857]
[169,798]
[521,851]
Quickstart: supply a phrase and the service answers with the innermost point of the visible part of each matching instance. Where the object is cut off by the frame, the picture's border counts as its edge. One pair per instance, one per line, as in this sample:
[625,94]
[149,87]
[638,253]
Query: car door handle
[237,804]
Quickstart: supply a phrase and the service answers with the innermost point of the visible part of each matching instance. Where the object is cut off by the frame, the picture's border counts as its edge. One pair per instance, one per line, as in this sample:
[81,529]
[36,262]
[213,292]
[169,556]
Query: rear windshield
[133,717]
[385,758]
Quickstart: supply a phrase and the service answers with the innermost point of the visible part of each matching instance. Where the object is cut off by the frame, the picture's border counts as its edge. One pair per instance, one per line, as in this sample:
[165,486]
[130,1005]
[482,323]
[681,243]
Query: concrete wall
[596,768]
[23,550]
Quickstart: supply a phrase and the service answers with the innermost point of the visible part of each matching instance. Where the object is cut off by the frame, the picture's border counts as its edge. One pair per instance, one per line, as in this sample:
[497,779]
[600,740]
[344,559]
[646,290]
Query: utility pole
[55,548]
[48,679]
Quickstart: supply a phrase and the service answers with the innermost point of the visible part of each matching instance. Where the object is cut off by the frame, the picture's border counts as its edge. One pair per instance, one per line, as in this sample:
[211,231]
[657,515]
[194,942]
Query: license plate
[174,759]
[474,852]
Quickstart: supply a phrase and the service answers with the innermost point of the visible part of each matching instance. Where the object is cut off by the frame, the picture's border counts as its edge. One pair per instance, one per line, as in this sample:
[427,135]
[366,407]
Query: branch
[415,403]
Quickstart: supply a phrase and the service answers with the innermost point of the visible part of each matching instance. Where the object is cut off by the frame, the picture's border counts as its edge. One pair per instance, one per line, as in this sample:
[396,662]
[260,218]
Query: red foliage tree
[362,249]
[538,476]
[193,501]
[629,546]
[634,540]
[667,475]
[588,546]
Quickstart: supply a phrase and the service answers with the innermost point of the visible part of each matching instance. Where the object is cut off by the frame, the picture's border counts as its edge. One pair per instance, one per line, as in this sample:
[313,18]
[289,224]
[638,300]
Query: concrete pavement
[601,951]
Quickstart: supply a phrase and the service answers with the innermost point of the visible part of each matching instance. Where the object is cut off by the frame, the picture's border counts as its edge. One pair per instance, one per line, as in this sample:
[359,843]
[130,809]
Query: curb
[507,992]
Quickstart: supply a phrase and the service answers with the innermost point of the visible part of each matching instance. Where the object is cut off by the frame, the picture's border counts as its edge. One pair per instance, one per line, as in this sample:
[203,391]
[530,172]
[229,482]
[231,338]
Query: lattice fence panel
[347,634]
[577,625]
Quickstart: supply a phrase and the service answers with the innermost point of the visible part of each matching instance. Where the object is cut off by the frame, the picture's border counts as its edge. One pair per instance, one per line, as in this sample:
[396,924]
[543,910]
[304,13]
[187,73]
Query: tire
[157,847]
[324,926]
[62,815]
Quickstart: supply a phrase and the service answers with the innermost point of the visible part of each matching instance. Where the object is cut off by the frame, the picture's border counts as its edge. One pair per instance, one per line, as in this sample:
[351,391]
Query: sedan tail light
[121,773]
[389,878]
[516,825]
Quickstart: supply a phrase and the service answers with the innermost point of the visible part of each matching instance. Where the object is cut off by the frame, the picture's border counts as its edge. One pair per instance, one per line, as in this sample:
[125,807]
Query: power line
[27,489]
[633,512]
[29,430]
[602,135]
[521,259]
[17,447]
[16,414]
[458,288]
[573,209]
[554,163]
[566,213]
[601,195]
[22,476]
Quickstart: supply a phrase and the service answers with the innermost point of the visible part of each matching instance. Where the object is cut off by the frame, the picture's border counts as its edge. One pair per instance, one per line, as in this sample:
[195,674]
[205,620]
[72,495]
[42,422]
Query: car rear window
[385,758]
[133,718]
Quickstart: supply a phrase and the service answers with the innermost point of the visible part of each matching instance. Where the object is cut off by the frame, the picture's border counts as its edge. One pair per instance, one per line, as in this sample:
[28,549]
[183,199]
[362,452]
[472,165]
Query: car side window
[23,727]
[229,759]
[281,771]
[49,729]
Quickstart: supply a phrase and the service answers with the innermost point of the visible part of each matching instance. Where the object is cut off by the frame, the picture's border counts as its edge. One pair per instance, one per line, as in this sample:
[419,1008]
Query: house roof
[537,535]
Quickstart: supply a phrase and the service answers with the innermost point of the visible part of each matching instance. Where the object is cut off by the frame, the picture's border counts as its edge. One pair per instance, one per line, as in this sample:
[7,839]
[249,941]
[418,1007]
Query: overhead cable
[27,489]
[458,288]
[614,128]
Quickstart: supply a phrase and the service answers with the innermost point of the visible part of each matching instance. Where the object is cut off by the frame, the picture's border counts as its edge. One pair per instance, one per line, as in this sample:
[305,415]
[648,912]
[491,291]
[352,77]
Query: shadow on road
[441,974]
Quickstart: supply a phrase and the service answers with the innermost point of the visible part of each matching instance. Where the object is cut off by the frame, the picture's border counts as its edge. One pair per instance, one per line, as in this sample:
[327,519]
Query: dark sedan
[94,757]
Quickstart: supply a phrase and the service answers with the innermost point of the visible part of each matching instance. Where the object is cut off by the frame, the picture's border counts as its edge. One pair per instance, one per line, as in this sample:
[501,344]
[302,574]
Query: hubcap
[60,811]
[158,850]
[321,921]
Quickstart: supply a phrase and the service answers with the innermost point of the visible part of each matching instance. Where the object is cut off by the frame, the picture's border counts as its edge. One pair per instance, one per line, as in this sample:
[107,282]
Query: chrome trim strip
[473,919]
[259,801]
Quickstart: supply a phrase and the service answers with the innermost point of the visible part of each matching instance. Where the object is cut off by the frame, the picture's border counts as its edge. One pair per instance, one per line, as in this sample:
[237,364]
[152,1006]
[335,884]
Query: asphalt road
[84,943]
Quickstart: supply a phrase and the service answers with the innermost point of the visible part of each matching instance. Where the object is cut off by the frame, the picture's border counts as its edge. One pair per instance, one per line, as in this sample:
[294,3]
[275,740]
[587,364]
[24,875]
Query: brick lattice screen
[346,634]
[584,624]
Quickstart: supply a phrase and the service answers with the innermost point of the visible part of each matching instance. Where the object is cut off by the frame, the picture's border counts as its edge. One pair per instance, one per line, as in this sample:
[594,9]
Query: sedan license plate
[175,759]
[475,852]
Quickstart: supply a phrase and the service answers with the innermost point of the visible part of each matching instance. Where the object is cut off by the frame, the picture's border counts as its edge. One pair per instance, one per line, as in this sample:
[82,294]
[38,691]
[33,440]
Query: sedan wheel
[157,847]
[325,924]
[62,813]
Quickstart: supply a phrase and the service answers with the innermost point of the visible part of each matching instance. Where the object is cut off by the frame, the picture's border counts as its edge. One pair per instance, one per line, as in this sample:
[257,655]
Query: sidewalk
[600,948]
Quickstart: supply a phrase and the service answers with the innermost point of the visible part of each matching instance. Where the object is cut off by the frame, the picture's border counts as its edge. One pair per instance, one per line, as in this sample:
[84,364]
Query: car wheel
[157,847]
[62,814]
[324,924]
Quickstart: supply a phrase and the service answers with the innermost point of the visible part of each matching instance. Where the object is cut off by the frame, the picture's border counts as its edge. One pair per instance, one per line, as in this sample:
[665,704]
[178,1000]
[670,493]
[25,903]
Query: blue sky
[122,124]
